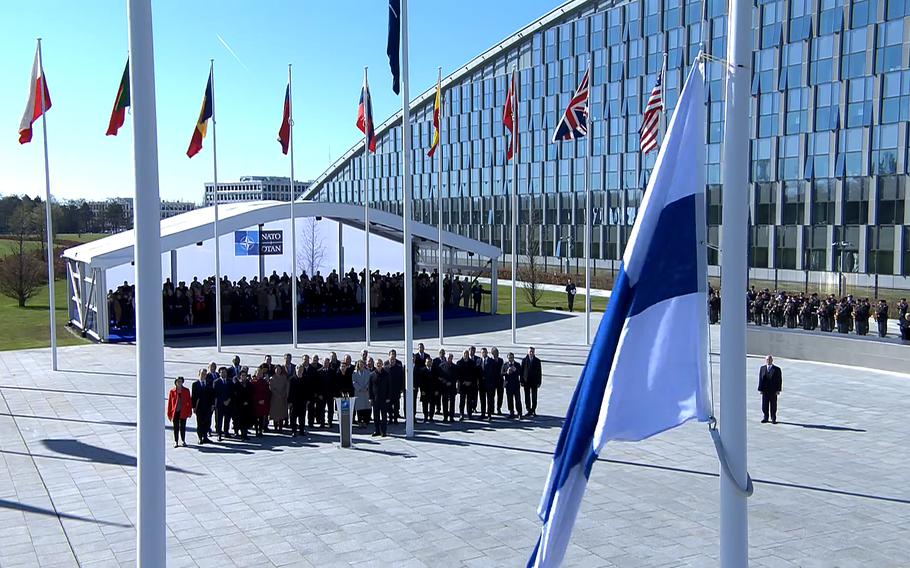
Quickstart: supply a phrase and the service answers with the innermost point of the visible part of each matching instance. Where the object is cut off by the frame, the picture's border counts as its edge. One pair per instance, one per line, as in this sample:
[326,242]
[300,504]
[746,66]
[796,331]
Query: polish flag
[36,106]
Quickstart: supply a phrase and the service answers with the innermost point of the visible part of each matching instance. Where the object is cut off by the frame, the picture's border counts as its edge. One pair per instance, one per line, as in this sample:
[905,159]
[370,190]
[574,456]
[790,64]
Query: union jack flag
[650,123]
[574,123]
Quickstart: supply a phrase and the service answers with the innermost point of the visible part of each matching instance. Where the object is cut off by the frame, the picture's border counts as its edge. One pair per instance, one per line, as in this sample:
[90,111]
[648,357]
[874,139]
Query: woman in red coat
[261,395]
[179,408]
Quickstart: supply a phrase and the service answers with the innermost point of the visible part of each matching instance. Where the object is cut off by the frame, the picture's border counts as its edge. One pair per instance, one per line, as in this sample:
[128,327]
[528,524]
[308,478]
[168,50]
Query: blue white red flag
[365,116]
[574,123]
[647,370]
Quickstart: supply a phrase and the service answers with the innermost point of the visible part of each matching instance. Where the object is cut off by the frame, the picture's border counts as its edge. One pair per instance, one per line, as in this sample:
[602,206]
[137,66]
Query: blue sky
[329,42]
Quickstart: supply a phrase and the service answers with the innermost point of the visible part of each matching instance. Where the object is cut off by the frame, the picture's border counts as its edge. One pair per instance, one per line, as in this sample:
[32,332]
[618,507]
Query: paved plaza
[831,480]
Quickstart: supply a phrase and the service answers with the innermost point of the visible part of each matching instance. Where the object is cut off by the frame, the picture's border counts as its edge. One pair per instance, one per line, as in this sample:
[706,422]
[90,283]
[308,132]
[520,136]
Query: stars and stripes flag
[365,115]
[650,123]
[510,117]
[647,371]
[574,123]
[37,104]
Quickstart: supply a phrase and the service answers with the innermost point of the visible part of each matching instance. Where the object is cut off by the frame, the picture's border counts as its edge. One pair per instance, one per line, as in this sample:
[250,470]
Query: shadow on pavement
[823,427]
[80,451]
[76,420]
[6,504]
[422,331]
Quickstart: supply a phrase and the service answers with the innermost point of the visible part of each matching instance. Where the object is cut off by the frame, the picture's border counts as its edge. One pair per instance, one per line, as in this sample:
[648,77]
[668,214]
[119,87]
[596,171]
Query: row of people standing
[230,402]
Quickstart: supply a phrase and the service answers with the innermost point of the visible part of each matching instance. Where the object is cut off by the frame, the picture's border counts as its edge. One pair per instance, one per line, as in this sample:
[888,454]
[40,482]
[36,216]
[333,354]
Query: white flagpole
[514,204]
[734,522]
[368,278]
[293,214]
[406,197]
[49,221]
[440,290]
[151,549]
[590,150]
[217,234]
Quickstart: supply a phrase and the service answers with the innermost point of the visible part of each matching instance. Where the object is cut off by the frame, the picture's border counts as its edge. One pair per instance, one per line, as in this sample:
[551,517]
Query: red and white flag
[35,106]
[651,120]
[510,117]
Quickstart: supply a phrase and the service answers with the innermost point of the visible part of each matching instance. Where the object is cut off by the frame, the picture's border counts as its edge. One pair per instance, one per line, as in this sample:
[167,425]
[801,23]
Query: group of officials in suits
[297,396]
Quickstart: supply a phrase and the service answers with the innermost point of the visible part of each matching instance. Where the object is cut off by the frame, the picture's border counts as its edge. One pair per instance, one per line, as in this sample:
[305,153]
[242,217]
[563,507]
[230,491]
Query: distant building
[168,208]
[171,208]
[255,188]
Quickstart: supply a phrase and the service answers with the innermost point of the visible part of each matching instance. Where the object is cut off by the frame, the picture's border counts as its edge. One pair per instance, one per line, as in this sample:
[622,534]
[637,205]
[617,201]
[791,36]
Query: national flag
[207,112]
[510,117]
[393,45]
[284,133]
[647,369]
[34,108]
[365,116]
[650,123]
[436,106]
[121,103]
[574,123]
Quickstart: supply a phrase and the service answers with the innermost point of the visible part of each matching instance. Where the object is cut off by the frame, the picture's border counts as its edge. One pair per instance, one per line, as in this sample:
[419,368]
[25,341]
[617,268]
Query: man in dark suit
[203,397]
[223,388]
[396,386]
[770,383]
[499,380]
[570,294]
[289,367]
[380,398]
[490,372]
[234,369]
[531,375]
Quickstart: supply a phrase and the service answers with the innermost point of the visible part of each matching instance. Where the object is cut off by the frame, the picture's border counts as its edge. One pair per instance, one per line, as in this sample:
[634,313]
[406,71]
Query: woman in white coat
[361,380]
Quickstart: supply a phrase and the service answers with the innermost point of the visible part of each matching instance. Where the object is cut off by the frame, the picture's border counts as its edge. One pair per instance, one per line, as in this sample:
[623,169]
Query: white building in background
[255,188]
[171,208]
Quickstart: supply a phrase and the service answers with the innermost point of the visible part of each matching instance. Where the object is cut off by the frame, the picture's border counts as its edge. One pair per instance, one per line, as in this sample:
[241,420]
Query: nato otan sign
[255,243]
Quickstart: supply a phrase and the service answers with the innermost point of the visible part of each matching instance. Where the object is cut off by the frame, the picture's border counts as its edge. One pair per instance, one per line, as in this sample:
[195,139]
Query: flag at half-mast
[436,106]
[365,116]
[284,133]
[650,123]
[207,112]
[510,117]
[121,103]
[35,106]
[574,123]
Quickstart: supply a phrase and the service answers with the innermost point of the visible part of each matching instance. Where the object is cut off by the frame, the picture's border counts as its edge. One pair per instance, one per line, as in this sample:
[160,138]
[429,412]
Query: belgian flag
[121,103]
[208,110]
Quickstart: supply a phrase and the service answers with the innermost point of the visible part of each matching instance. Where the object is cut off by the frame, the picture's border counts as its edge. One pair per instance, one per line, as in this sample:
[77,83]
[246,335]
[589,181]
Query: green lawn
[548,301]
[27,327]
[83,238]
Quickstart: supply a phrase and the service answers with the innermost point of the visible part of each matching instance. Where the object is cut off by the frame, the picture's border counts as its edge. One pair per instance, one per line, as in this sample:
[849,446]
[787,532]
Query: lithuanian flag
[208,110]
[121,103]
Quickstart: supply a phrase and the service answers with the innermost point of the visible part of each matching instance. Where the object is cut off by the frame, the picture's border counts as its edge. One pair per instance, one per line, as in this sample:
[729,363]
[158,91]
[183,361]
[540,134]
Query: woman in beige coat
[278,409]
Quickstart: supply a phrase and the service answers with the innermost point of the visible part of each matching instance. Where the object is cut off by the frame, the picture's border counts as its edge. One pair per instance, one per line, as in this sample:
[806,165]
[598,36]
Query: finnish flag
[647,370]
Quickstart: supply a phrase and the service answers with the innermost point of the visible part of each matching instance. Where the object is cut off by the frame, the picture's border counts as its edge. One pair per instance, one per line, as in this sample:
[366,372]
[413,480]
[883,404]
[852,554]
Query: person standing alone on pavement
[770,383]
[570,294]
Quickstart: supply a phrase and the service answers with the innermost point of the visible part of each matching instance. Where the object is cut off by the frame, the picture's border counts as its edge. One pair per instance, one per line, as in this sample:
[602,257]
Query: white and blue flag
[647,370]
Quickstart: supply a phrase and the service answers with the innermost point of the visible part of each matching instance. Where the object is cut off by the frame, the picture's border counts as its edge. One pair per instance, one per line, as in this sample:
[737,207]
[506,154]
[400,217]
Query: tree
[114,216]
[86,219]
[311,253]
[22,272]
[532,271]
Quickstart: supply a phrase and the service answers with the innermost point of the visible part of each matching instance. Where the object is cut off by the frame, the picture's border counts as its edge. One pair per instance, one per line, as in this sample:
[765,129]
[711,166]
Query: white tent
[88,263]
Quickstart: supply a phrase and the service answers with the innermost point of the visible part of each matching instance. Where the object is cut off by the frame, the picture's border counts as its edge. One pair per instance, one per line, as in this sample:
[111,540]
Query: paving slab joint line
[31,456]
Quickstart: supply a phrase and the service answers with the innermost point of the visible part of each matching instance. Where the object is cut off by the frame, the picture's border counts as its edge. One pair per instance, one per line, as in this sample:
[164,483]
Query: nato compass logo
[246,243]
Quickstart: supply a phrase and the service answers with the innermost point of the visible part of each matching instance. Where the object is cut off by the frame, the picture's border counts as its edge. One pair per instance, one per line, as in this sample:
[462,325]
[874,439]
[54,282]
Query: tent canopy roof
[198,225]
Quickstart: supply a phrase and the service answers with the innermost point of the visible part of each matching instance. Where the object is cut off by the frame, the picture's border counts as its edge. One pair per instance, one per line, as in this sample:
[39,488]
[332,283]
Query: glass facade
[829,126]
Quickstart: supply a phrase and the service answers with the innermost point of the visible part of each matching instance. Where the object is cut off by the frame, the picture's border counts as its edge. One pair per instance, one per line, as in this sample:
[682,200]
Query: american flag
[574,123]
[651,120]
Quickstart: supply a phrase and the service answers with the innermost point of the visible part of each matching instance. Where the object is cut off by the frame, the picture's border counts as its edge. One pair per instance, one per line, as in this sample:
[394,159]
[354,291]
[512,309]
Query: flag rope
[722,457]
